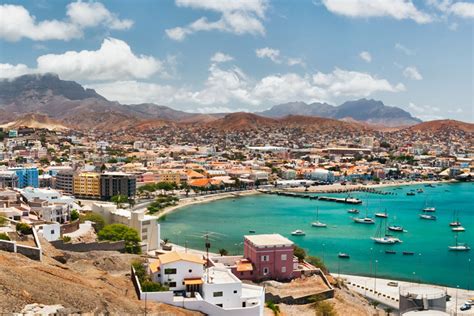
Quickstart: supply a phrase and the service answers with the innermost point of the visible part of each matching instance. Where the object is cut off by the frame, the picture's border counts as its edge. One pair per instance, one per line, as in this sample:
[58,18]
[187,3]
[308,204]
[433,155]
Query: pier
[347,200]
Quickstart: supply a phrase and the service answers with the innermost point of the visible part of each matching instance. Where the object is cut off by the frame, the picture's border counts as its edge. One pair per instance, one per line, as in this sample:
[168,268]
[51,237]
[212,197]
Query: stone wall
[91,246]
[69,227]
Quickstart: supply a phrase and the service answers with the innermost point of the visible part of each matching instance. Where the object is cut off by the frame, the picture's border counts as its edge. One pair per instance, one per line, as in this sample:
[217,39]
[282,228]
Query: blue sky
[214,56]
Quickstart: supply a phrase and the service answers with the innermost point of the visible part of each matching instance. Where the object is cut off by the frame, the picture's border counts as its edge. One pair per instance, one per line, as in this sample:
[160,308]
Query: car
[395,284]
[465,307]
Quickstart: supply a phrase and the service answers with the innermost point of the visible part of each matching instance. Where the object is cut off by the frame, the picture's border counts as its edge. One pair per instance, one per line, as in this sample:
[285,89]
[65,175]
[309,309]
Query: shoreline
[388,295]
[206,199]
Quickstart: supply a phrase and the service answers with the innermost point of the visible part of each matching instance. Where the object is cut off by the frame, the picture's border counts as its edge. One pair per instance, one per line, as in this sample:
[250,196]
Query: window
[220,305]
[218,294]
[190,270]
[265,271]
[283,269]
[52,231]
[265,258]
[283,257]
[170,271]
[235,291]
[172,284]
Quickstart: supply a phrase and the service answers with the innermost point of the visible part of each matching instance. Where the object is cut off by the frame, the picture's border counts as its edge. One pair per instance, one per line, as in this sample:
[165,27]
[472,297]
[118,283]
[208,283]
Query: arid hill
[35,120]
[443,125]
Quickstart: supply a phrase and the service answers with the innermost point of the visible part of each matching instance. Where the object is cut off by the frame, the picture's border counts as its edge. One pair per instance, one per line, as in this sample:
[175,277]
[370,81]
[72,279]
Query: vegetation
[116,232]
[318,263]
[119,199]
[272,306]
[322,307]
[74,215]
[223,252]
[161,202]
[299,253]
[4,236]
[3,221]
[152,187]
[146,283]
[66,239]
[96,218]
[24,228]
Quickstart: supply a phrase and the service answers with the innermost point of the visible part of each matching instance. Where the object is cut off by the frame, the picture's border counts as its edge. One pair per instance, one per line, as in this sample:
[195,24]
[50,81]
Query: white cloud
[352,83]
[365,56]
[237,17]
[412,73]
[462,9]
[424,112]
[90,14]
[404,49]
[12,71]
[267,52]
[397,9]
[220,57]
[296,61]
[17,23]
[113,60]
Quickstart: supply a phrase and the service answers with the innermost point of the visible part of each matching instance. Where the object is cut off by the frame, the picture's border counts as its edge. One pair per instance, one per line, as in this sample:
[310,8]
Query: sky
[247,55]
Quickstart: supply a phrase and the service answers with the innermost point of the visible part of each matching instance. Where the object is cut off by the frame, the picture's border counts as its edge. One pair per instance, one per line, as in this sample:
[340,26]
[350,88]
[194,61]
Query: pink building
[271,256]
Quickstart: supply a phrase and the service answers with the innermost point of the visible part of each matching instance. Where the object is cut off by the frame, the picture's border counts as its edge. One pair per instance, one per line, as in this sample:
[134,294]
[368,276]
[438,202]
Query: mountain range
[47,98]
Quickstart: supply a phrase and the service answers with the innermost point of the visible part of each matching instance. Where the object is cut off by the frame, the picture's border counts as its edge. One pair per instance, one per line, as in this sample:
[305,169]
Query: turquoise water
[432,262]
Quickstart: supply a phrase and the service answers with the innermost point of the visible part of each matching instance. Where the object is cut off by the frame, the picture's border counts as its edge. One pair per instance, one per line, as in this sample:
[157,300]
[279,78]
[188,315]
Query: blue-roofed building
[27,176]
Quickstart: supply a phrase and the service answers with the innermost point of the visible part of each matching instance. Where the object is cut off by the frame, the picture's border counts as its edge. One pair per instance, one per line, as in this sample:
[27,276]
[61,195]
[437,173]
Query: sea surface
[229,219]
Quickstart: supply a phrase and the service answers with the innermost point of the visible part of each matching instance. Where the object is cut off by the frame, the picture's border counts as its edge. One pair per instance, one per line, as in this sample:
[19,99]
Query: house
[179,271]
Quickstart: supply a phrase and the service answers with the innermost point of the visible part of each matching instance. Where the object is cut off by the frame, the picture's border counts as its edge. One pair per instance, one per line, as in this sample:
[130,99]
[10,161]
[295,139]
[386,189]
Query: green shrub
[4,236]
[318,263]
[24,228]
[74,215]
[299,253]
[96,218]
[66,238]
[116,232]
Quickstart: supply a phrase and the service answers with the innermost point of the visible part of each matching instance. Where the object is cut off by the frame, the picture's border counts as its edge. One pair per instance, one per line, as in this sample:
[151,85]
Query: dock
[347,200]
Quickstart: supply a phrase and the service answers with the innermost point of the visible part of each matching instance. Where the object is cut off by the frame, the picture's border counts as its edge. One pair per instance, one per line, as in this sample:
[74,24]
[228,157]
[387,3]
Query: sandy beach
[388,295]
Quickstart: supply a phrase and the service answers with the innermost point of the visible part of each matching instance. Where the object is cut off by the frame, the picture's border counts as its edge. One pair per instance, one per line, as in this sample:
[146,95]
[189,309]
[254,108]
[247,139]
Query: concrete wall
[69,227]
[30,252]
[6,245]
[85,247]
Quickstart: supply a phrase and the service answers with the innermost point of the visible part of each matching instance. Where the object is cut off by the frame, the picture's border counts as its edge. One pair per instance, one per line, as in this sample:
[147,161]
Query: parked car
[465,307]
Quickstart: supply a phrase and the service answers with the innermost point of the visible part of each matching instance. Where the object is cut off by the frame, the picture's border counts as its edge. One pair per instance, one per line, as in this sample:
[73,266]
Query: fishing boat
[353,211]
[408,253]
[459,246]
[298,232]
[343,255]
[455,222]
[390,252]
[381,236]
[458,229]
[428,217]
[317,223]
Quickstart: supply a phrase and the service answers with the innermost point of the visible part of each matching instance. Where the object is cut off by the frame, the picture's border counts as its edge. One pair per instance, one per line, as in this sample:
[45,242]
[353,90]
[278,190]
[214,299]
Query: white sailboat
[455,222]
[317,223]
[459,246]
[381,236]
[366,219]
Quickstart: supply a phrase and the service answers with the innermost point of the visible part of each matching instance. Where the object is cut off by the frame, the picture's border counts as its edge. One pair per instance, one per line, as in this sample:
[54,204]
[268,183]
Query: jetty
[346,200]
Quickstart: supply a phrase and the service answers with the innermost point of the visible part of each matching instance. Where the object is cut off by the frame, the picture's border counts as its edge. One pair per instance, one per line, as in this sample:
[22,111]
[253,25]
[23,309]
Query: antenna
[208,236]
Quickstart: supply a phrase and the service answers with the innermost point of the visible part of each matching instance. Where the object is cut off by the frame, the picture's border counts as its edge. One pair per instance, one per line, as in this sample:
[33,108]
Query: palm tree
[223,252]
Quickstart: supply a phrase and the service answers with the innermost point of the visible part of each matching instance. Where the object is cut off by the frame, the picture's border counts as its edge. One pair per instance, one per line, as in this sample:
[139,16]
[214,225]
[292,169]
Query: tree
[275,308]
[4,236]
[223,252]
[388,310]
[299,253]
[24,228]
[119,199]
[3,221]
[74,215]
[374,304]
[116,232]
[96,218]
[318,263]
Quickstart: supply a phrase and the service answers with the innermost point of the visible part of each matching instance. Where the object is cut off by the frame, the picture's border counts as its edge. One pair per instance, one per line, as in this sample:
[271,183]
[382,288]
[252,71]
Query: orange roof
[193,281]
[154,266]
[194,175]
[244,266]
[179,256]
[199,182]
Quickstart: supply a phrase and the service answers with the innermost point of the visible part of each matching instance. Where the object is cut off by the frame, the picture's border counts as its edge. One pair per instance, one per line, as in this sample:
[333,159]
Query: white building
[147,226]
[50,232]
[46,194]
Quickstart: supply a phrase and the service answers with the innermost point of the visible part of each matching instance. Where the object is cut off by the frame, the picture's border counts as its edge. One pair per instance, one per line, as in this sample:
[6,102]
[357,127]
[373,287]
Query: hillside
[443,125]
[35,121]
[89,283]
[242,121]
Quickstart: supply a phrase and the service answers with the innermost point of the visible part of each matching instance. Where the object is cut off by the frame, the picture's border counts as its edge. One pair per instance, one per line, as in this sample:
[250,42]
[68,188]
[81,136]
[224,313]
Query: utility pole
[375,276]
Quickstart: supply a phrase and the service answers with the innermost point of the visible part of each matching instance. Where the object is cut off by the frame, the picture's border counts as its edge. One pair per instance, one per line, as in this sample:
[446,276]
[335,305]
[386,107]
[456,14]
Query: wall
[30,252]
[69,227]
[84,247]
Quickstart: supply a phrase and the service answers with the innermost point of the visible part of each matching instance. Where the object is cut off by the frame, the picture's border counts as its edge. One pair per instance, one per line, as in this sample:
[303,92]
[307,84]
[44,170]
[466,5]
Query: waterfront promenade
[388,295]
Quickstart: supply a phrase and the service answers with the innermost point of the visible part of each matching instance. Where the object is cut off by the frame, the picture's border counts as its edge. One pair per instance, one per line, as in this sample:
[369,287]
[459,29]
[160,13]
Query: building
[8,179]
[65,181]
[27,176]
[271,256]
[46,181]
[147,226]
[322,175]
[117,183]
[87,185]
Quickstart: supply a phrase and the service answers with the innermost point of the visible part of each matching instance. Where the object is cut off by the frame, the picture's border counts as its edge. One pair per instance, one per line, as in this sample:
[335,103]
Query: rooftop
[180,256]
[268,240]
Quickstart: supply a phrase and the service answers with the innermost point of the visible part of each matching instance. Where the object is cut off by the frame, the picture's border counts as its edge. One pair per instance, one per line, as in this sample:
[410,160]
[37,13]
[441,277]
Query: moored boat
[365,220]
[390,252]
[395,228]
[459,246]
[381,215]
[317,223]
[343,255]
[353,211]
[408,253]
[298,232]
[410,193]
[458,229]
[428,217]
[429,209]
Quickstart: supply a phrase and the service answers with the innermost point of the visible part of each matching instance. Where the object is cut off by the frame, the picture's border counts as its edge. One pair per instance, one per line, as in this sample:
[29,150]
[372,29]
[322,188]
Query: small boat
[343,255]
[390,252]
[408,253]
[353,211]
[317,223]
[429,217]
[251,231]
[458,229]
[381,236]
[429,209]
[298,232]
[455,222]
[410,193]
[381,215]
[420,190]
[365,220]
[395,228]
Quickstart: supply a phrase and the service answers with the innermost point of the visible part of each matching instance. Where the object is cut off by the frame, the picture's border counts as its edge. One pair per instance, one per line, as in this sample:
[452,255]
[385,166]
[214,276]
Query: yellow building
[87,184]
[169,176]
